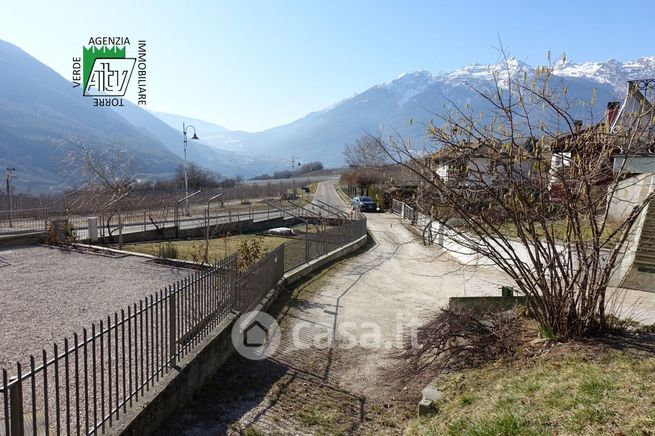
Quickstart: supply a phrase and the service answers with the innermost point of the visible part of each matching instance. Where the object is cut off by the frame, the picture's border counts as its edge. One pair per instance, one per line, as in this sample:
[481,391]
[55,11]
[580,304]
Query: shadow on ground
[292,392]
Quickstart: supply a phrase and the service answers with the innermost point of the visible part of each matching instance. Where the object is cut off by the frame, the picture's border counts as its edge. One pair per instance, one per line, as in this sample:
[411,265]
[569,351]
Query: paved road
[299,180]
[340,331]
[327,193]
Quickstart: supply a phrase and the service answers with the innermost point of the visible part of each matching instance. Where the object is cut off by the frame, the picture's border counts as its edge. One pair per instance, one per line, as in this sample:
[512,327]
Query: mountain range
[417,96]
[42,118]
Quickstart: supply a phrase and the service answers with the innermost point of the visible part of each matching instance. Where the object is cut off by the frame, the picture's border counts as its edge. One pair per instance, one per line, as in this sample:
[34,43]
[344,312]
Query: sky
[252,65]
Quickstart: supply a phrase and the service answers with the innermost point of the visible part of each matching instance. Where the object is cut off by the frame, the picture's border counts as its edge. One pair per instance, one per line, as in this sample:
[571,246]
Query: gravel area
[49,293]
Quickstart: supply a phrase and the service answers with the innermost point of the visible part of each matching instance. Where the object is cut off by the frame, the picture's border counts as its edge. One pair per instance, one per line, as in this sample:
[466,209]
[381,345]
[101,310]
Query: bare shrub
[523,182]
[60,232]
[199,252]
[168,251]
[249,252]
[463,336]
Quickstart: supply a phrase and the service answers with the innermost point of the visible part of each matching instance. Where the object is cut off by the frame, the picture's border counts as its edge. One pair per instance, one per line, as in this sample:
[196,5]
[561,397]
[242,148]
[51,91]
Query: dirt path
[340,331]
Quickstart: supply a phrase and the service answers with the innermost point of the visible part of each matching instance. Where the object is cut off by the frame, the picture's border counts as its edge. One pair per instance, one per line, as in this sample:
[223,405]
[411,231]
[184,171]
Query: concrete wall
[455,245]
[631,191]
[25,238]
[178,386]
[199,232]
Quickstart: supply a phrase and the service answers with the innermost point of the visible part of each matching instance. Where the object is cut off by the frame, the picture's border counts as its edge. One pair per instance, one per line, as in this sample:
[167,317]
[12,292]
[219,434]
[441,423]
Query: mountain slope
[216,149]
[41,116]
[418,97]
[212,134]
[226,162]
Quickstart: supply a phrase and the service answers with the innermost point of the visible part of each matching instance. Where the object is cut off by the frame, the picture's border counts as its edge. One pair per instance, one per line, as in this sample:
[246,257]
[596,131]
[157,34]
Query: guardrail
[39,220]
[87,383]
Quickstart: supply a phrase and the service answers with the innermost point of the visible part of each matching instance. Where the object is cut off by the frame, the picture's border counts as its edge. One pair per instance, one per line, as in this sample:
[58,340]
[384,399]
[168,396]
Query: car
[365,204]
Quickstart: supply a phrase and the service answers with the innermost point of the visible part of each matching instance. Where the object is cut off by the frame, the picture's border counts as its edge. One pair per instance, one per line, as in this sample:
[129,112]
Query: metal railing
[135,220]
[409,213]
[84,386]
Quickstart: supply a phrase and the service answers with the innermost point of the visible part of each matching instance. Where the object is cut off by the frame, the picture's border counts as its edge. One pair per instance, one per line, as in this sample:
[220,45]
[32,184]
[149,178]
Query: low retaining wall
[301,271]
[448,240]
[492,303]
[199,232]
[177,388]
[27,238]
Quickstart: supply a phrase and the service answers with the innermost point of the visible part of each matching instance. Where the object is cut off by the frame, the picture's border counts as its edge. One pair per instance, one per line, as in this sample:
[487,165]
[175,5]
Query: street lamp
[186,181]
[9,175]
[293,185]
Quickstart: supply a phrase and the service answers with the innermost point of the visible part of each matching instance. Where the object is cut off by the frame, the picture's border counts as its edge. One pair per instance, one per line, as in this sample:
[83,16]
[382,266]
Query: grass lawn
[313,187]
[218,247]
[559,229]
[574,389]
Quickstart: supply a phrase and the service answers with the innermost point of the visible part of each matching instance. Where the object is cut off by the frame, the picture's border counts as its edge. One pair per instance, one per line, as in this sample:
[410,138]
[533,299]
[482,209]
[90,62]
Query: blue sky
[252,65]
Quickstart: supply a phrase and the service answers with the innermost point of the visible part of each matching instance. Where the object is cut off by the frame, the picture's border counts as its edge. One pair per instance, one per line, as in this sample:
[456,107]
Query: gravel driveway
[48,293]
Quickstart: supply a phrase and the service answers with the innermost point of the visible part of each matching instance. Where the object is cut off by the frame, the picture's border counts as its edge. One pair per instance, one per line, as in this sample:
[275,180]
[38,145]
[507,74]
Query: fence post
[172,327]
[120,231]
[16,405]
[176,218]
[207,235]
[306,242]
[233,282]
[145,218]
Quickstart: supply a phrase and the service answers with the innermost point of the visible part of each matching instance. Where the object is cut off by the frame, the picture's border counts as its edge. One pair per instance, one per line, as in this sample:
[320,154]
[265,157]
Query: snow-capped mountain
[611,72]
[418,96]
[485,72]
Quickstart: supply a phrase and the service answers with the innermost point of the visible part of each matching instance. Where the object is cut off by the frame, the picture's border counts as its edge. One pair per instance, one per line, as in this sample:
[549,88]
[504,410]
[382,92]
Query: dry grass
[572,389]
[313,187]
[218,247]
[559,231]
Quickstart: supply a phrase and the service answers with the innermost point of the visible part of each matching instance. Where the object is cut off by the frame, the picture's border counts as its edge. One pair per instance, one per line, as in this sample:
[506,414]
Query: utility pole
[10,175]
[293,184]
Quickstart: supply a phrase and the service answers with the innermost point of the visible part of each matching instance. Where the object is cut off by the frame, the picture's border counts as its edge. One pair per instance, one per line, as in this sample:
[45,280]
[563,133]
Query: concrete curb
[302,270]
[21,238]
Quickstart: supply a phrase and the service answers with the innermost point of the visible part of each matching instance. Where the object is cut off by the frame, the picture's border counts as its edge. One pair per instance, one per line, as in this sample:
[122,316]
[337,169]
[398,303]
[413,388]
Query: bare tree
[365,156]
[527,186]
[108,178]
[365,152]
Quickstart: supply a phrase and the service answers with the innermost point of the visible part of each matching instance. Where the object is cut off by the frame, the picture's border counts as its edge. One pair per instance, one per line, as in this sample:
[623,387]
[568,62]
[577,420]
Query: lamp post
[10,175]
[293,185]
[186,181]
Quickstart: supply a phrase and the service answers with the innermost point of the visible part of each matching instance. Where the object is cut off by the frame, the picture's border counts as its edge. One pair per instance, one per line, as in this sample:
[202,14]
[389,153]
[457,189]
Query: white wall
[629,193]
[450,242]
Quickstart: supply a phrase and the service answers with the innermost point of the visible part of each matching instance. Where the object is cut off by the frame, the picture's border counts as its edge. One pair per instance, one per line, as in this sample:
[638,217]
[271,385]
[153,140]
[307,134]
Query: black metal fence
[312,245]
[87,383]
